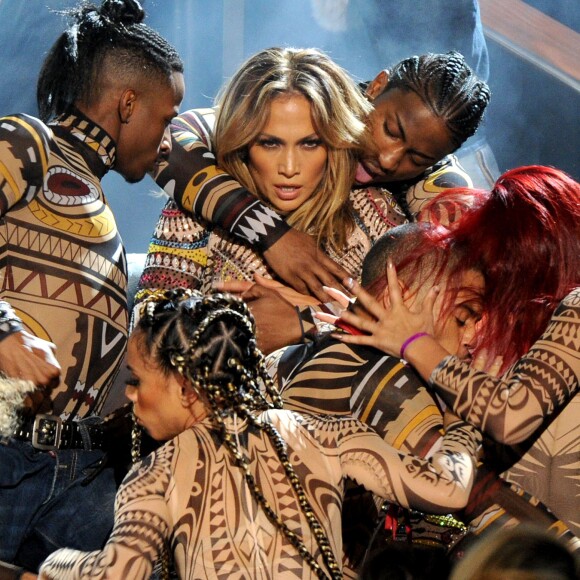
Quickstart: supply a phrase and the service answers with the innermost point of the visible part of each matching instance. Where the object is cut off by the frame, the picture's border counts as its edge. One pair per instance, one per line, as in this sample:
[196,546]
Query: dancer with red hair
[526,234]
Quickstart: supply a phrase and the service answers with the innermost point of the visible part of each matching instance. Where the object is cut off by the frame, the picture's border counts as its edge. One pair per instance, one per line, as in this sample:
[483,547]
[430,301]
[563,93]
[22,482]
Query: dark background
[533,117]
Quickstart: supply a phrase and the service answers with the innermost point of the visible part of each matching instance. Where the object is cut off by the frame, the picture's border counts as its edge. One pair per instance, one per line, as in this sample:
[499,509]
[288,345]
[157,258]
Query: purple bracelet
[411,339]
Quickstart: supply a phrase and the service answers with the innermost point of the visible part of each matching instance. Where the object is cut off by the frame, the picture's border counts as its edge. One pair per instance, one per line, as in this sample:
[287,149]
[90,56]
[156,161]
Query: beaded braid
[448,86]
[111,37]
[241,395]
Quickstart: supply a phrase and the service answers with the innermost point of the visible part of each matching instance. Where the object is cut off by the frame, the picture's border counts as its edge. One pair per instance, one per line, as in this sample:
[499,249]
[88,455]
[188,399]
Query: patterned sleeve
[512,407]
[24,142]
[142,526]
[437,485]
[191,178]
[25,145]
[444,175]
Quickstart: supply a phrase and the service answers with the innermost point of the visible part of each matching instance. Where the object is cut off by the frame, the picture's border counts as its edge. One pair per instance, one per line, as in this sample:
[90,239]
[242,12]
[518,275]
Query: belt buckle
[46,432]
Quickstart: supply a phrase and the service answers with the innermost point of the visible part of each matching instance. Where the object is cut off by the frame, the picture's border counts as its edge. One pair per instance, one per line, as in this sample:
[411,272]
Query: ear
[185,391]
[377,86]
[127,105]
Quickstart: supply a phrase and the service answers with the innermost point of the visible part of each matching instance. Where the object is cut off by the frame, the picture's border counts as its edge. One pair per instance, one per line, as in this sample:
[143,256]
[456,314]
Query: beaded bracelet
[411,339]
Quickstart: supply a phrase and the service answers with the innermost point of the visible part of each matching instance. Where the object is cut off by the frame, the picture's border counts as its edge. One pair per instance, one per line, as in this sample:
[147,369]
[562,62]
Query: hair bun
[126,12]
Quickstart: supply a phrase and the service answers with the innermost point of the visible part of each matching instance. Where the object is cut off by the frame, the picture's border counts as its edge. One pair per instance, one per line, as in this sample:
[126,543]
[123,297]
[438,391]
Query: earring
[135,440]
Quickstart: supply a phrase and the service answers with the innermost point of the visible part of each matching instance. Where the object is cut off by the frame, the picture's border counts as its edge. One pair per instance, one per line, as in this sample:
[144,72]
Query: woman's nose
[289,165]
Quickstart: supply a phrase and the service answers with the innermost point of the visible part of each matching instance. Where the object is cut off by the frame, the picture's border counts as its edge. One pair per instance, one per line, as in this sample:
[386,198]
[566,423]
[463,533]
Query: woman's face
[457,330]
[288,158]
[158,399]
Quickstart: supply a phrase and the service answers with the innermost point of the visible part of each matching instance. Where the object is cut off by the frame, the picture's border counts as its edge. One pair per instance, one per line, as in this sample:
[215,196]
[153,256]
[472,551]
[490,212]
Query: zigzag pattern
[257,223]
[25,241]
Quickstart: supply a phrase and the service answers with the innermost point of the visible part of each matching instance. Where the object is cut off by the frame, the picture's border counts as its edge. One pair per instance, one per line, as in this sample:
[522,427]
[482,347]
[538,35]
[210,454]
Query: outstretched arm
[437,485]
[191,178]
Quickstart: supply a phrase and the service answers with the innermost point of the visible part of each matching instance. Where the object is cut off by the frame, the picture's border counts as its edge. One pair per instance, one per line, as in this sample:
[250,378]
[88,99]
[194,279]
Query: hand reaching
[276,318]
[388,327]
[297,260]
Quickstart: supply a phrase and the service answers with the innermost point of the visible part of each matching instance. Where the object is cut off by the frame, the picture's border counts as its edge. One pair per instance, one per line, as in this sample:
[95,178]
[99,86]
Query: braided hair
[210,341]
[111,39]
[448,86]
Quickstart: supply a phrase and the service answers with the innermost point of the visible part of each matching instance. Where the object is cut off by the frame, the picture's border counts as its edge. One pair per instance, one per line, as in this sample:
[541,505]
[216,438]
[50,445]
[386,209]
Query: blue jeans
[52,499]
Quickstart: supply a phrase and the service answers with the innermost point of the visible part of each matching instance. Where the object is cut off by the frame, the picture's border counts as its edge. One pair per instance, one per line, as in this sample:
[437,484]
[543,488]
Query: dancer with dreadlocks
[107,91]
[244,488]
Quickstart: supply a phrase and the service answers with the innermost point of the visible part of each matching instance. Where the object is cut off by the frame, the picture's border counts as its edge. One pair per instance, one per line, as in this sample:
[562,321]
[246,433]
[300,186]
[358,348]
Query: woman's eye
[312,143]
[267,143]
[460,322]
[132,382]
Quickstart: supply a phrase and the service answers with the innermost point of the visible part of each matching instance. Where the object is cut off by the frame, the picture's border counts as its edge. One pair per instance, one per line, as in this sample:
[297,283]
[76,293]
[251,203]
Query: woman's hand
[387,328]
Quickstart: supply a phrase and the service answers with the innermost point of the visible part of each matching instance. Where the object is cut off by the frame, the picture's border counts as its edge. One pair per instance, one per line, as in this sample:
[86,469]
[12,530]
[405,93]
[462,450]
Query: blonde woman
[288,127]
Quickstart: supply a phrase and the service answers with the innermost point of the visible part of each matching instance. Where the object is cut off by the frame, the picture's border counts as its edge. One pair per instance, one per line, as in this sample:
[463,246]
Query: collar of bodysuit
[91,135]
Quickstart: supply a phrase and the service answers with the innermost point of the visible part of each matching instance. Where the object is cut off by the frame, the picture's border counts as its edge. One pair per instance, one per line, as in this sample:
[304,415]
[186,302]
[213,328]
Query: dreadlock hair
[448,86]
[210,341]
[525,233]
[101,42]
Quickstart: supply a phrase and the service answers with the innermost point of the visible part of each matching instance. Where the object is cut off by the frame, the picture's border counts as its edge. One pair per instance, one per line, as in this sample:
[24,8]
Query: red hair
[424,255]
[526,233]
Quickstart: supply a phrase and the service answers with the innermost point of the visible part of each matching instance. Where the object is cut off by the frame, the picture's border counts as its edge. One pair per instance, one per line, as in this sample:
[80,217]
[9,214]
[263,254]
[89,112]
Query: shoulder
[26,158]
[569,307]
[572,300]
[446,174]
[198,122]
[153,472]
[320,427]
[26,127]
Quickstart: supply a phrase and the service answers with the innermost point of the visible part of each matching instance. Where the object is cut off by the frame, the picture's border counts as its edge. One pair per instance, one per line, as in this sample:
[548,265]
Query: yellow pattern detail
[382,384]
[197,255]
[93,227]
[430,411]
[35,327]
[196,183]
[10,179]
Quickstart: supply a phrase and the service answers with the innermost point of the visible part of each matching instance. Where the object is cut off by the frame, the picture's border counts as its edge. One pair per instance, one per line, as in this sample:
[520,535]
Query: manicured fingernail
[349,283]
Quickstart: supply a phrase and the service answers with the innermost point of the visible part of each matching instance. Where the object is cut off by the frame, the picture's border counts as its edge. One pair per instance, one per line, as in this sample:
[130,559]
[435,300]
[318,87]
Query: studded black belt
[50,433]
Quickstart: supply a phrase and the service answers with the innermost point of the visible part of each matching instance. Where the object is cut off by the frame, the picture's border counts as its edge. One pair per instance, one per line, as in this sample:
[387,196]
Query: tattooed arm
[141,529]
[437,485]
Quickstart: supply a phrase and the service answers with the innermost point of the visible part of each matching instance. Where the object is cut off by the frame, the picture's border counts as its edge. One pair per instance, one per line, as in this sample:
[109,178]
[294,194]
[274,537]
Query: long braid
[448,86]
[111,34]
[191,345]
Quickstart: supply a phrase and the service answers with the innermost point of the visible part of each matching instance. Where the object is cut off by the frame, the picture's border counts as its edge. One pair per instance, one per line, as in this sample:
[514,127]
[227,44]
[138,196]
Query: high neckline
[91,134]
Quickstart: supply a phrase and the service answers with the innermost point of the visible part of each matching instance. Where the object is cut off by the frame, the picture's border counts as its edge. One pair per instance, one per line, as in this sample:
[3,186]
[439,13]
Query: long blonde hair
[339,112]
